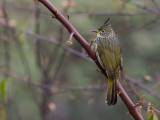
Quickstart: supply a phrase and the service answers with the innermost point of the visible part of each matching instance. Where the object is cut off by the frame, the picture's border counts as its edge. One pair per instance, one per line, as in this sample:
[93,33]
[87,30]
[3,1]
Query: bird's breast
[110,43]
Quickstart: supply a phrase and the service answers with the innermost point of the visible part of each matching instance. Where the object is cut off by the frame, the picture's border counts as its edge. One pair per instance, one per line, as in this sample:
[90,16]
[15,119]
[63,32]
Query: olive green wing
[109,56]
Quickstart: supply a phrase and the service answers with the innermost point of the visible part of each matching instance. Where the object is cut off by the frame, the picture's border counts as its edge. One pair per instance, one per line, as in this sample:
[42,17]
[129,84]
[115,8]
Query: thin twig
[157,111]
[152,21]
[69,42]
[43,38]
[52,57]
[89,13]
[7,55]
[155,3]
[53,87]
[138,84]
[71,35]
[106,13]
[153,10]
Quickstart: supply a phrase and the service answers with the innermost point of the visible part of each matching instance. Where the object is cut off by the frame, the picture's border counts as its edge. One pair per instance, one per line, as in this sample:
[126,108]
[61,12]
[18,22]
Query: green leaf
[150,117]
[2,88]
[151,114]
[2,113]
[155,116]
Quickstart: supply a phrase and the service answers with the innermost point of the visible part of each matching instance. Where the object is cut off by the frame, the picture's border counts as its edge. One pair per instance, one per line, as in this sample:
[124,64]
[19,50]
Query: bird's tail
[111,92]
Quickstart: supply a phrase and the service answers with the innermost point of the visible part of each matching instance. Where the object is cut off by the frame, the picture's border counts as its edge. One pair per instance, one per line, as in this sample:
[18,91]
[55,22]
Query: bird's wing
[109,57]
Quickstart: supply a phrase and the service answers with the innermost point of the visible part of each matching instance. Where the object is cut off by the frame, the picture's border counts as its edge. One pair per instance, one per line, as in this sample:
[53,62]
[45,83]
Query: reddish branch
[130,105]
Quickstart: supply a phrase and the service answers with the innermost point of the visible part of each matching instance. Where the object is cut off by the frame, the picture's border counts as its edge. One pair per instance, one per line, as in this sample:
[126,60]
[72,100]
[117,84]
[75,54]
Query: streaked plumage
[108,52]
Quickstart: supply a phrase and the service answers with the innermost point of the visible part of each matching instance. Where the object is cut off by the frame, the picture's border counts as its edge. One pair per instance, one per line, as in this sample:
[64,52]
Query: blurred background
[43,78]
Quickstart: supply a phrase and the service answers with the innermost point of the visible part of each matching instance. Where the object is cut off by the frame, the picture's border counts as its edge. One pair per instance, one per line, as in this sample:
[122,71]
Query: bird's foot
[91,43]
[119,92]
[98,70]
[87,55]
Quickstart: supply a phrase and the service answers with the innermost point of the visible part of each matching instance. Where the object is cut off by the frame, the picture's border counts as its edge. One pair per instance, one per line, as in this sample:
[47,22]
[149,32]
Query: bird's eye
[102,31]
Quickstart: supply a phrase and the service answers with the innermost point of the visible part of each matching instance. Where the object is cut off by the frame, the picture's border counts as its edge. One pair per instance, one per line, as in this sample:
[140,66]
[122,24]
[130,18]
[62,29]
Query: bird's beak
[94,31]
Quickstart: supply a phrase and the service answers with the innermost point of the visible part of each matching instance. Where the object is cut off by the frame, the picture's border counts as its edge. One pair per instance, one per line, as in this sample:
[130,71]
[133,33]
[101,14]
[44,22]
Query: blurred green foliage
[2,88]
[2,113]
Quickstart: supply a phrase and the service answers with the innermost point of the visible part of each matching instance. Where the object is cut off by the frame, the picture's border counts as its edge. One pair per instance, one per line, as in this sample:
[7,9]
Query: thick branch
[131,107]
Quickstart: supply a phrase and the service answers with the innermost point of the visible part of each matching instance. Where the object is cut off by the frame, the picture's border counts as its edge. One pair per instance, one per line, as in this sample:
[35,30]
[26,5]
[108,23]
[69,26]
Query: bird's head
[104,30]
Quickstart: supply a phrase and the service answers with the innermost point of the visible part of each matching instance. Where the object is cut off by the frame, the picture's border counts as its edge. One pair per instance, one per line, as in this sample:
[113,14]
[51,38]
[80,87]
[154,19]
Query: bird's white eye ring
[102,31]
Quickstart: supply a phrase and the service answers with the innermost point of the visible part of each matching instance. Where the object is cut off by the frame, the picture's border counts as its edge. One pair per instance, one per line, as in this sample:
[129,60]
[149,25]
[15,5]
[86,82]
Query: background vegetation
[42,77]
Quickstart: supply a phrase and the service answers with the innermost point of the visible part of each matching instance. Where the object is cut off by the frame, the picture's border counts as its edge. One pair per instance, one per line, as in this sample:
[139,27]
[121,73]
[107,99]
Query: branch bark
[130,105]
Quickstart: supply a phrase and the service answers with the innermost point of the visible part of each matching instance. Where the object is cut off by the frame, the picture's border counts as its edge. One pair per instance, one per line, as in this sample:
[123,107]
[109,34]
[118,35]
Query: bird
[109,55]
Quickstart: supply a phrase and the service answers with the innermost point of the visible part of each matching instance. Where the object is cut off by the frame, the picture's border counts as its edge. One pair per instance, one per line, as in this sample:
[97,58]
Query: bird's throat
[98,34]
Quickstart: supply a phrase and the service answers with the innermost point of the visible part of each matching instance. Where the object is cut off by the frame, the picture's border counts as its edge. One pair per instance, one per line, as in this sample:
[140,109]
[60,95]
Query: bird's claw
[98,70]
[91,43]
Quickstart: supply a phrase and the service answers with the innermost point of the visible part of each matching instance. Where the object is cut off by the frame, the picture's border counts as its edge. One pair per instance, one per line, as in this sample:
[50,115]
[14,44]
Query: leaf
[151,114]
[150,117]
[2,88]
[155,116]
[2,113]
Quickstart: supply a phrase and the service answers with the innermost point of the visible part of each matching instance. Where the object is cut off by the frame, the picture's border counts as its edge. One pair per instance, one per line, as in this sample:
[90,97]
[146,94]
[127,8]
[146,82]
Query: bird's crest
[105,24]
